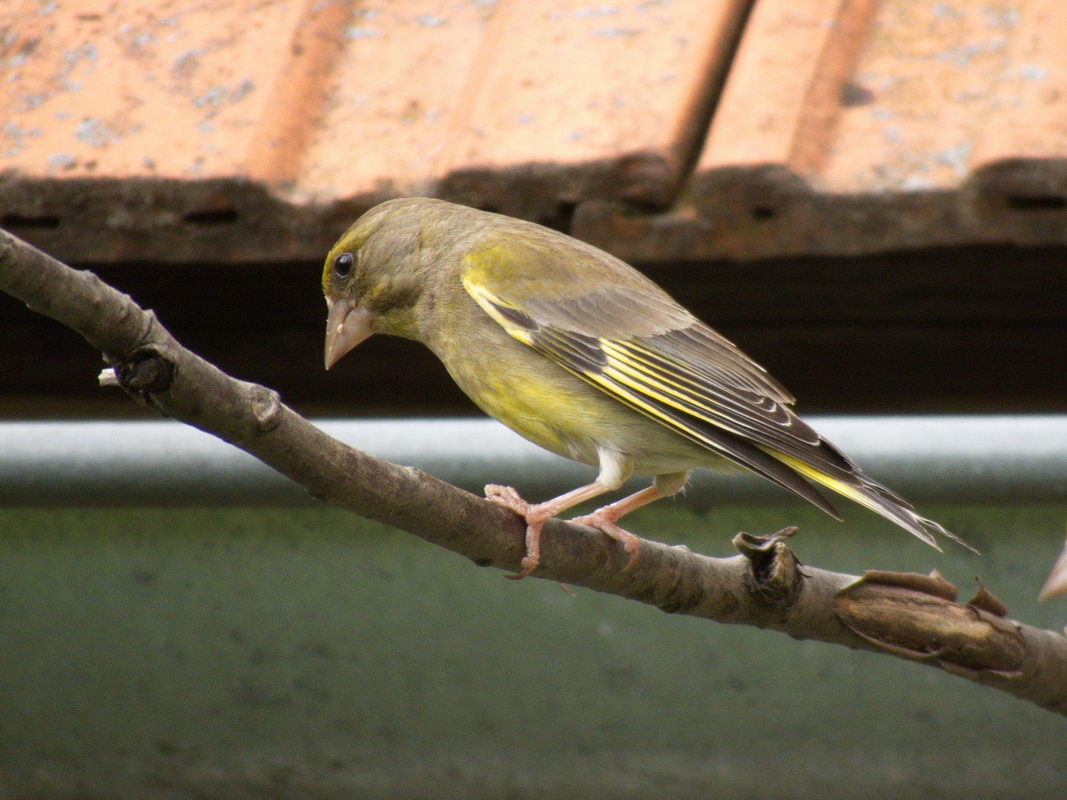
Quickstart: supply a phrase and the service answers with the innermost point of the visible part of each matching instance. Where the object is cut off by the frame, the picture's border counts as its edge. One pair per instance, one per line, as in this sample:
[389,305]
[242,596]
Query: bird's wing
[624,335]
[676,370]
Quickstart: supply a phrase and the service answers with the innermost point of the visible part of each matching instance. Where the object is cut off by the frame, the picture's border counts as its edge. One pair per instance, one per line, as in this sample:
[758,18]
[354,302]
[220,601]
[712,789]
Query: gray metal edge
[998,459]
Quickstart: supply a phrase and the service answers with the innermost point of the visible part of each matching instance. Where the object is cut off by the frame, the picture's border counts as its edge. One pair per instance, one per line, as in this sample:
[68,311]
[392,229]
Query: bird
[583,355]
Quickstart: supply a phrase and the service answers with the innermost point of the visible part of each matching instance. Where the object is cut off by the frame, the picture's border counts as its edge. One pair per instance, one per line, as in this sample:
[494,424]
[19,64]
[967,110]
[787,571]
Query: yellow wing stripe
[891,510]
[635,393]
[688,389]
[851,492]
[639,353]
[639,401]
[700,379]
[652,388]
[643,370]
[490,304]
[659,385]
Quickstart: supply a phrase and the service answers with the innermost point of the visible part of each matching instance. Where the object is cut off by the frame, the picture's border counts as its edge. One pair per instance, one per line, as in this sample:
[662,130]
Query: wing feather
[689,379]
[587,357]
[677,371]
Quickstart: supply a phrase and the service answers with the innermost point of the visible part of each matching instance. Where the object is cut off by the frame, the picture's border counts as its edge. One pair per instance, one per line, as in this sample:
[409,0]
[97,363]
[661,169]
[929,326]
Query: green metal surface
[306,653]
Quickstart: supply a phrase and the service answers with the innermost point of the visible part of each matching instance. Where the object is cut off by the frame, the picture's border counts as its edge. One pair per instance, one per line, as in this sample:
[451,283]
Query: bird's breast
[527,392]
[553,408]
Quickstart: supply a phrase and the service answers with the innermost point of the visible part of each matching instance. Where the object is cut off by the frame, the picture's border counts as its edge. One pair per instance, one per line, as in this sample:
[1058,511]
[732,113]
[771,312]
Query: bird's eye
[342,265]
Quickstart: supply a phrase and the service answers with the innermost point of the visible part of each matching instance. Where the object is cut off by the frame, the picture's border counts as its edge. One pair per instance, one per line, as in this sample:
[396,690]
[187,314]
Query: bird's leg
[605,518]
[537,514]
[615,468]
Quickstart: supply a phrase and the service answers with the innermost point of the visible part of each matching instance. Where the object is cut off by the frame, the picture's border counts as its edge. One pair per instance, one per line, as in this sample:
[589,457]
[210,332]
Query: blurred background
[870,198]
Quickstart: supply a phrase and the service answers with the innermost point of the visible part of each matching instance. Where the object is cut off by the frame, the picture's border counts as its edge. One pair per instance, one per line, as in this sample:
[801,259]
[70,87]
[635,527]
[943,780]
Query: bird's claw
[602,522]
[507,497]
[603,519]
[510,499]
[526,566]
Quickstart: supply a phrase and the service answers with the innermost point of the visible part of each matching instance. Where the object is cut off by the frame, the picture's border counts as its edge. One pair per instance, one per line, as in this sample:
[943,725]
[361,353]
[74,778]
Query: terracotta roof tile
[602,101]
[142,88]
[850,126]
[258,129]
[294,116]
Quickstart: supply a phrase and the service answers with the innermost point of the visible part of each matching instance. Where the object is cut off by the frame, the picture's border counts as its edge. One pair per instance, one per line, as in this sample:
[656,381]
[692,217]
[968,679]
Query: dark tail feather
[878,499]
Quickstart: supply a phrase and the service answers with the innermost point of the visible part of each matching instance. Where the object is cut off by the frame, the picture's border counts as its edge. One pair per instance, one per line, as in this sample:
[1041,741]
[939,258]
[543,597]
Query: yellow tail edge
[916,525]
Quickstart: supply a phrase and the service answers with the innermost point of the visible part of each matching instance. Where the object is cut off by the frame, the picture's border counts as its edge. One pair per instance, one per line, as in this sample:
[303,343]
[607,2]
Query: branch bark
[914,617]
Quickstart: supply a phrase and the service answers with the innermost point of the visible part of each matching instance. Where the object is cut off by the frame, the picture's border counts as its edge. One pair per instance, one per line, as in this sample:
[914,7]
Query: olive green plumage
[578,352]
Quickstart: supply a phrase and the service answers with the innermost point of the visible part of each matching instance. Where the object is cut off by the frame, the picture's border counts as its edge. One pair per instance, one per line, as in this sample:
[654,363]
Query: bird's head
[376,273]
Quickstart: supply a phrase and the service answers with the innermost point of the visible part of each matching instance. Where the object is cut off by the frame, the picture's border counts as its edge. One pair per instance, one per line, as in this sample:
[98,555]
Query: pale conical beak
[346,326]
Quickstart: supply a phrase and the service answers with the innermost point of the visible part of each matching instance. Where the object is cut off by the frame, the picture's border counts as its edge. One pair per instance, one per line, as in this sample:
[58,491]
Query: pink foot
[535,518]
[603,520]
[507,497]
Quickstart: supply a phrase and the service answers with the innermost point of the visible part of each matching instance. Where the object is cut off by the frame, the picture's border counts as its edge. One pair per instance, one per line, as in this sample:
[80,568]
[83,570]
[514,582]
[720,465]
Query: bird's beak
[346,326]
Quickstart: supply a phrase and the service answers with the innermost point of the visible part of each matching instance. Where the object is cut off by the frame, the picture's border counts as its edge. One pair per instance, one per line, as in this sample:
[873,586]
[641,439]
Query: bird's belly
[567,416]
[544,410]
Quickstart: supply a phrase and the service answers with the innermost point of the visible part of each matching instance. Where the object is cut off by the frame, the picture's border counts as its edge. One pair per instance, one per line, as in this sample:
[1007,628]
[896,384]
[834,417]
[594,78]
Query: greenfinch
[583,355]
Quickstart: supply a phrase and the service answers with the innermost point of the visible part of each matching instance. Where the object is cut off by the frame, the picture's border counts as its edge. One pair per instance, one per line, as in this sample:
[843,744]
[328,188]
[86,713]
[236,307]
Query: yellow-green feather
[575,350]
[630,375]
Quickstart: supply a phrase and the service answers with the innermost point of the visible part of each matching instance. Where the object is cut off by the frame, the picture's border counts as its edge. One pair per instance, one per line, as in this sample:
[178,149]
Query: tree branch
[913,617]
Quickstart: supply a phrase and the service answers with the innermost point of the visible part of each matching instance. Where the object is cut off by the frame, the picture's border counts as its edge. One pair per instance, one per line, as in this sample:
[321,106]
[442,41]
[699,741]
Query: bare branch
[910,616]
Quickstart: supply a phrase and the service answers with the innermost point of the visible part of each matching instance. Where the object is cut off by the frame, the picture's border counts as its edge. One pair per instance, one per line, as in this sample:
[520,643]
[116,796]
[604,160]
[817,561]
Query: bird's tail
[878,499]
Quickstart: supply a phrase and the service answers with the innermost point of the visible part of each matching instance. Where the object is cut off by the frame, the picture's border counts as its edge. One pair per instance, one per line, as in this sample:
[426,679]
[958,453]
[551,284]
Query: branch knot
[144,371]
[775,576]
[266,407]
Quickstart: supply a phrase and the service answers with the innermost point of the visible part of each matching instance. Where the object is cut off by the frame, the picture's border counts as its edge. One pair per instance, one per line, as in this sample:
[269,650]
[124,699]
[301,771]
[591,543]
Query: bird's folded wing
[687,378]
[624,335]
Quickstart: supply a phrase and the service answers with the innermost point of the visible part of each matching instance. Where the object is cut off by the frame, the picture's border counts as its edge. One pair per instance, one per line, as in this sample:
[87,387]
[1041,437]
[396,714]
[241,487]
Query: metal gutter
[995,459]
